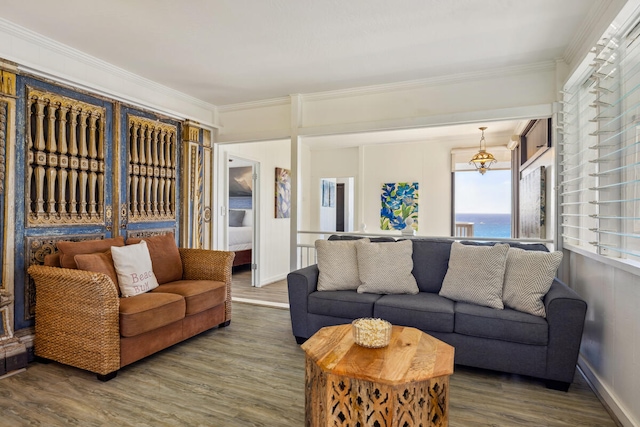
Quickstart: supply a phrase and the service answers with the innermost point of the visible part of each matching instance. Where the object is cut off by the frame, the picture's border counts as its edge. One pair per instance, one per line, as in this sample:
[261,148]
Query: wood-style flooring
[252,374]
[274,294]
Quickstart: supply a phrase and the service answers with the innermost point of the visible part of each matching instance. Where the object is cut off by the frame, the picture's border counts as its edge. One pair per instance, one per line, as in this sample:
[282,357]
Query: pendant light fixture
[483,160]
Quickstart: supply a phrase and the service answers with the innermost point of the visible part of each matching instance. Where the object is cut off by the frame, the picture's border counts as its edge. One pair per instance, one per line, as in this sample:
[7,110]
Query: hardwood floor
[274,294]
[252,374]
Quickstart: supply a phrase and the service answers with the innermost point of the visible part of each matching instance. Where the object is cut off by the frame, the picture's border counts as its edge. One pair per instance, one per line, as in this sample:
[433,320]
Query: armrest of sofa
[300,284]
[77,318]
[566,312]
[205,264]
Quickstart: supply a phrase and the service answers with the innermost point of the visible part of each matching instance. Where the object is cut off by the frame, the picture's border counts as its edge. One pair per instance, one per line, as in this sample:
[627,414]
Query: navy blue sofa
[502,340]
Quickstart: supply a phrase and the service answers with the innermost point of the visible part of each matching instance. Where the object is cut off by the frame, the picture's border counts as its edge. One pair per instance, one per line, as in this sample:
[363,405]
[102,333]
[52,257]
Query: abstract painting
[399,206]
[283,192]
[328,193]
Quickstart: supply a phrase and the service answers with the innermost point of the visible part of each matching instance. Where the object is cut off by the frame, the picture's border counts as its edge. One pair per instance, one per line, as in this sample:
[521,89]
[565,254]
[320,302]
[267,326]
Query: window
[483,203]
[600,150]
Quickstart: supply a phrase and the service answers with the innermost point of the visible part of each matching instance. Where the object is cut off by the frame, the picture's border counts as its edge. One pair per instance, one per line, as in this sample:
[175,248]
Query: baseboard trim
[272,279]
[618,412]
[12,373]
[261,302]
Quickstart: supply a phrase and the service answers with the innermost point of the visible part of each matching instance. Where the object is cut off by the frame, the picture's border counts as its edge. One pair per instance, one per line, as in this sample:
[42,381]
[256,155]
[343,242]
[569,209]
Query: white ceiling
[232,51]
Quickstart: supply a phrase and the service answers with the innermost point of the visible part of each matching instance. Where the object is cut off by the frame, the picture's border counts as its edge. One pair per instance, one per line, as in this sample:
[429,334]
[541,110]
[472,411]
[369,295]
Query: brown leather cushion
[68,250]
[200,295]
[149,311]
[100,262]
[165,257]
[52,260]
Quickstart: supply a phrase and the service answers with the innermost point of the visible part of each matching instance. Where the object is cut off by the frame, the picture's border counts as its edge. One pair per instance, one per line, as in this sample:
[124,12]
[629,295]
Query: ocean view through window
[484,201]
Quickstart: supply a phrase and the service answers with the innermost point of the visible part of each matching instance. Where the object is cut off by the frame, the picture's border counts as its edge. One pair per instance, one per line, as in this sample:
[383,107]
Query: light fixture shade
[482,160]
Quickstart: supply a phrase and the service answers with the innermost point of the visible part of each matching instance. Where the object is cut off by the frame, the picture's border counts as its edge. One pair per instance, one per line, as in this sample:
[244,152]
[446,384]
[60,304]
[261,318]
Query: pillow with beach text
[134,268]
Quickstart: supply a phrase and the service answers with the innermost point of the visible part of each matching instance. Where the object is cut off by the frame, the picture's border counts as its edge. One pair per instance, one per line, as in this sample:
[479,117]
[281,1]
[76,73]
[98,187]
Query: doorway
[242,218]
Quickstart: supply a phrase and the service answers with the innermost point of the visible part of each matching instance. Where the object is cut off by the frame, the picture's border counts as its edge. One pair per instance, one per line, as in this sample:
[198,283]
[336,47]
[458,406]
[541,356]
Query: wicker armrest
[204,264]
[77,318]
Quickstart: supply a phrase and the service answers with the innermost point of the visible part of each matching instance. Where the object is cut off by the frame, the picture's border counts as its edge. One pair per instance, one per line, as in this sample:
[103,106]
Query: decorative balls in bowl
[371,333]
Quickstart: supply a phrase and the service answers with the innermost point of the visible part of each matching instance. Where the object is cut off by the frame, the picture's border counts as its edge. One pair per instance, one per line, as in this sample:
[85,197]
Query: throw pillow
[385,268]
[68,250]
[165,257]
[337,265]
[527,279]
[133,265]
[476,274]
[100,262]
[236,217]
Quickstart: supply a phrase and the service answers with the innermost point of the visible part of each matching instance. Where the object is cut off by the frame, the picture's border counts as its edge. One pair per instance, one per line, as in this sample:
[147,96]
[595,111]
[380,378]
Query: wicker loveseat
[82,321]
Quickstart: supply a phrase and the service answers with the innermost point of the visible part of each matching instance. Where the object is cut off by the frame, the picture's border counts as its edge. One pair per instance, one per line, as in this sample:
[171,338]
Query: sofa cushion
[100,262]
[68,250]
[476,274]
[146,312]
[506,325]
[165,256]
[527,279]
[425,311]
[344,304]
[133,265]
[199,295]
[337,265]
[385,268]
[430,262]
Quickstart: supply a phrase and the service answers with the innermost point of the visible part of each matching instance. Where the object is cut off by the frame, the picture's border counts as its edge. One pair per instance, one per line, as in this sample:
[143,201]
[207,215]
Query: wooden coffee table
[405,383]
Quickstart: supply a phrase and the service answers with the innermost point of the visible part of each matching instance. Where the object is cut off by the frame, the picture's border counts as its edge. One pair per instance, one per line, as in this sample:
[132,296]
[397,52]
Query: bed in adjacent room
[241,235]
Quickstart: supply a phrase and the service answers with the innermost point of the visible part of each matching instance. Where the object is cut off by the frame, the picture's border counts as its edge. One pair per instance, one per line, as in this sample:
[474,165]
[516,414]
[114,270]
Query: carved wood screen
[151,170]
[65,161]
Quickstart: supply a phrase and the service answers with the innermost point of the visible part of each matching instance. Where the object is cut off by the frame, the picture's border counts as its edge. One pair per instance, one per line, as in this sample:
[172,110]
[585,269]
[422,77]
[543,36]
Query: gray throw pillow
[337,265]
[476,274]
[385,268]
[236,217]
[527,279]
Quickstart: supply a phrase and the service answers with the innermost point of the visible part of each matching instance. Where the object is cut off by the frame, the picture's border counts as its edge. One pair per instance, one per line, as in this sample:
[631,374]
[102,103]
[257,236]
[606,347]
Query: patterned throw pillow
[385,268]
[337,265]
[527,279]
[476,274]
[135,272]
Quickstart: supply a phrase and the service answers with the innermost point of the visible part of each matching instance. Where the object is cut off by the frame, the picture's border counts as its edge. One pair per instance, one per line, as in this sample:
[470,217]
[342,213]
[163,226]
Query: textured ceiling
[232,51]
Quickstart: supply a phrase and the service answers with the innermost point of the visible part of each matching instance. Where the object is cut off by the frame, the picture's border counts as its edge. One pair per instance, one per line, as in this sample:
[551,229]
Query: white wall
[274,232]
[610,351]
[56,61]
[425,162]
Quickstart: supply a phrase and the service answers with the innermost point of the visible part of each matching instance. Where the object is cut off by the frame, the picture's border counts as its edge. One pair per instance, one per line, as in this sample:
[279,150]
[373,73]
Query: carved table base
[405,384]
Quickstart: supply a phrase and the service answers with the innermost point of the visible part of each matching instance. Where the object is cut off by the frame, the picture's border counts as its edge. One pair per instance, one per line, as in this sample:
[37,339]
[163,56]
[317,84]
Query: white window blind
[600,151]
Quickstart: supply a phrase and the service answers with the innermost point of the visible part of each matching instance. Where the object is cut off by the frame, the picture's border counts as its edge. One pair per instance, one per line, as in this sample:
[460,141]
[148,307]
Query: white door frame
[255,209]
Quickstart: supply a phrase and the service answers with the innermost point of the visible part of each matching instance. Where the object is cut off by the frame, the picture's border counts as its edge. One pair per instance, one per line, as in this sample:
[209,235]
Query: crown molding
[250,105]
[391,87]
[77,55]
[585,34]
[433,81]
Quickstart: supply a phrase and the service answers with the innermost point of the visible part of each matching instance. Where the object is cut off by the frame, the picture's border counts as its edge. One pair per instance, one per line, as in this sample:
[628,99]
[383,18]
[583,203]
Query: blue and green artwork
[399,206]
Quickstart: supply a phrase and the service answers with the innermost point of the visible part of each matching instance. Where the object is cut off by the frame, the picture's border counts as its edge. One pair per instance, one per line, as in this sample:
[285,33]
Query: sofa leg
[107,377]
[558,385]
[224,324]
[301,340]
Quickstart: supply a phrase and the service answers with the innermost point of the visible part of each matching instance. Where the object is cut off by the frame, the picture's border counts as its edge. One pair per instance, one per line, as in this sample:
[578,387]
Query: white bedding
[240,238]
